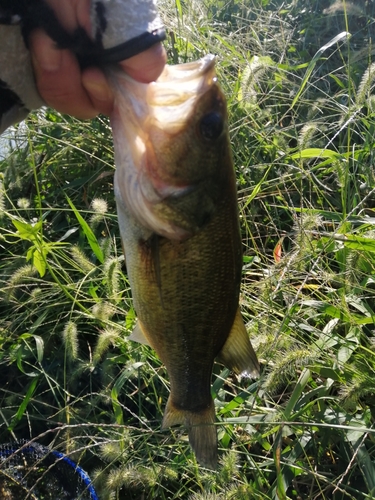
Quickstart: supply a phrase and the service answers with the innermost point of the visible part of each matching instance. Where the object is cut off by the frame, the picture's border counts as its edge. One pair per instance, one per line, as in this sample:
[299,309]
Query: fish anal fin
[201,430]
[172,416]
[237,353]
[138,334]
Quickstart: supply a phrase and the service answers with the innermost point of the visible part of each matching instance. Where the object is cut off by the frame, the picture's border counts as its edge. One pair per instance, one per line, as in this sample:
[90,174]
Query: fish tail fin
[201,429]
[203,436]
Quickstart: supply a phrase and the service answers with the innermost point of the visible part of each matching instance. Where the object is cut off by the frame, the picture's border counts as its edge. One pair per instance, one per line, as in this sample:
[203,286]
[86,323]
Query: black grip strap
[130,48]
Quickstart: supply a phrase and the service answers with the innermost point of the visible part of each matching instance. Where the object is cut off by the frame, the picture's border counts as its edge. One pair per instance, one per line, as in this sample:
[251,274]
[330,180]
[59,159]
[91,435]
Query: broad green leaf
[335,312]
[27,231]
[130,319]
[38,259]
[315,153]
[359,243]
[246,259]
[39,262]
[91,238]
[232,405]
[225,439]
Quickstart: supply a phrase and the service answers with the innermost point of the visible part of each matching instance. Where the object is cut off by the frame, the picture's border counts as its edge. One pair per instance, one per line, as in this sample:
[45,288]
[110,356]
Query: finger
[98,90]
[58,77]
[72,13]
[145,67]
[148,65]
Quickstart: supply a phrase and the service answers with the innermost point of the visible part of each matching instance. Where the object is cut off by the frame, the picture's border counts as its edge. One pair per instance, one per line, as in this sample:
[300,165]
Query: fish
[176,197]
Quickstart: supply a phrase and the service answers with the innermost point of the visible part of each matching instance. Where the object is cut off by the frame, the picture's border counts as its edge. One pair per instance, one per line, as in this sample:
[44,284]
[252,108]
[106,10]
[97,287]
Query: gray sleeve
[117,21]
[18,93]
[114,22]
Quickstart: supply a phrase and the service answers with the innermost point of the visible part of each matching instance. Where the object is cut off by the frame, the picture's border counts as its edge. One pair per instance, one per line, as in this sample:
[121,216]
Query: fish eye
[211,126]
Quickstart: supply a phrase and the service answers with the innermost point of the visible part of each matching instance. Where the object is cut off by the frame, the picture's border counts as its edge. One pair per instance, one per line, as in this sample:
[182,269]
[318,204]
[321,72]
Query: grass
[301,104]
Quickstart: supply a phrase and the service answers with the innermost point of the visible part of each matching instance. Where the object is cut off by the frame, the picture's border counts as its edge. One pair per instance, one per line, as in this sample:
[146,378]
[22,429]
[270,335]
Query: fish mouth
[145,114]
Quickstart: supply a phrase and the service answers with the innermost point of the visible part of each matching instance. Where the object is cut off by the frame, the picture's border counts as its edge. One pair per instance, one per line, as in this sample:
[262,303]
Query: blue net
[32,471]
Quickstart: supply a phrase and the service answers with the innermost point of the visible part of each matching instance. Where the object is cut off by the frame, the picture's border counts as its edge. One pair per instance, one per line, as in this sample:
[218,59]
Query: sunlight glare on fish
[248,374]
[139,145]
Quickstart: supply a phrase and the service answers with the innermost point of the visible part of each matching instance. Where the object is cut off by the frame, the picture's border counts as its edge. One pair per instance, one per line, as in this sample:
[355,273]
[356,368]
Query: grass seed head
[22,276]
[70,340]
[366,85]
[112,273]
[103,310]
[100,208]
[105,340]
[81,259]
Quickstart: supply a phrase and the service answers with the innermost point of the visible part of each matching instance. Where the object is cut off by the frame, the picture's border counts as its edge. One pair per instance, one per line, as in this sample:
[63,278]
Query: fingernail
[98,88]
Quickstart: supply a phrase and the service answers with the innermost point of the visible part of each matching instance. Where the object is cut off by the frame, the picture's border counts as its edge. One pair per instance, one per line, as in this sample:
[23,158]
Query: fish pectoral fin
[201,430]
[138,334]
[237,353]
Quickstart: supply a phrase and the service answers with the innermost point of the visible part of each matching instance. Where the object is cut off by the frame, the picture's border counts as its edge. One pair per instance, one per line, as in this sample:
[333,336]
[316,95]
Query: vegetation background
[299,78]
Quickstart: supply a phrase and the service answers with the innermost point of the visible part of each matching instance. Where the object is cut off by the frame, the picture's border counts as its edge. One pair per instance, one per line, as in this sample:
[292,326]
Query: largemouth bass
[176,199]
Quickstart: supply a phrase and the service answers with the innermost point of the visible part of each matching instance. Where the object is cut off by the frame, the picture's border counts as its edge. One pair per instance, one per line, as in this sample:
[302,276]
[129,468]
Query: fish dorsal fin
[237,353]
[138,334]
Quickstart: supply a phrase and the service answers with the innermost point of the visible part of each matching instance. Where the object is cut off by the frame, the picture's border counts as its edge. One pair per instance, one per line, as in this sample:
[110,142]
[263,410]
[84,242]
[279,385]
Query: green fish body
[176,199]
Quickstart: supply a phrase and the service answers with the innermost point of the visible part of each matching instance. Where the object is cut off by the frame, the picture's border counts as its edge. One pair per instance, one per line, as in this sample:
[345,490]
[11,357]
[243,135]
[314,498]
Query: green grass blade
[338,38]
[117,387]
[367,467]
[359,243]
[22,408]
[315,153]
[301,384]
[256,188]
[91,238]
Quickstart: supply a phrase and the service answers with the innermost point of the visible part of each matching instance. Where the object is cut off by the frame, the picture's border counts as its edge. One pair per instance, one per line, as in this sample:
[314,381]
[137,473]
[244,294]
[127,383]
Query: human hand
[61,82]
